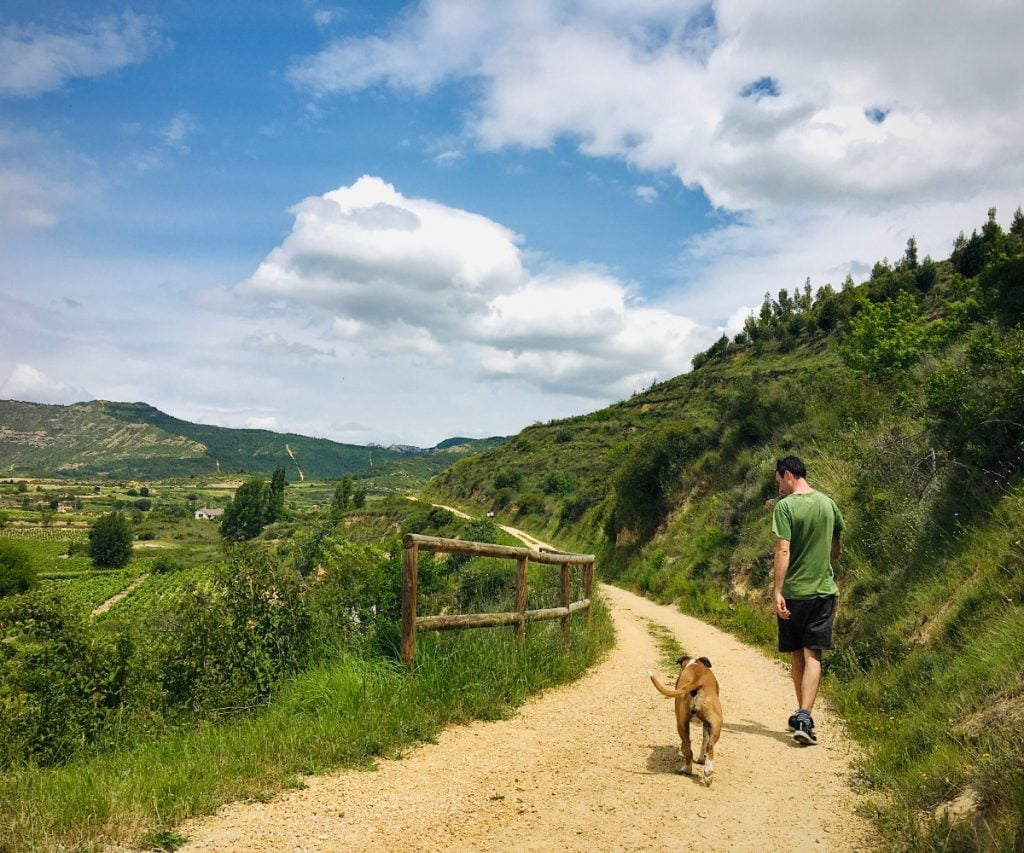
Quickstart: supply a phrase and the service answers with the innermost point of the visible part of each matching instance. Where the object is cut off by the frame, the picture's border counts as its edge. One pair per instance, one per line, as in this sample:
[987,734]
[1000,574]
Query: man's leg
[810,677]
[797,671]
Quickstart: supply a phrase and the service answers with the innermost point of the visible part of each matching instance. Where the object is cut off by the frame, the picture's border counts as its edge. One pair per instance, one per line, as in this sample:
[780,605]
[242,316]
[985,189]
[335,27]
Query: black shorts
[809,625]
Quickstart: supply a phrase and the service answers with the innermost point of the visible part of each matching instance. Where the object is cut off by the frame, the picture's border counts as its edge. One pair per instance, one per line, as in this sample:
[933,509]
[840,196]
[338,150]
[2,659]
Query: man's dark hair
[793,464]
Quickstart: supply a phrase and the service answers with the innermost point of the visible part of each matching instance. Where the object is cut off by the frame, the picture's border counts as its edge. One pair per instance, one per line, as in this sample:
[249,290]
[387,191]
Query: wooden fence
[411,623]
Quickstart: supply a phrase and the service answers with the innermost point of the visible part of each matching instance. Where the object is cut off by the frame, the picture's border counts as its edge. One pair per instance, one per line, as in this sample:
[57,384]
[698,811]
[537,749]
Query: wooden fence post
[588,589]
[566,599]
[410,560]
[521,566]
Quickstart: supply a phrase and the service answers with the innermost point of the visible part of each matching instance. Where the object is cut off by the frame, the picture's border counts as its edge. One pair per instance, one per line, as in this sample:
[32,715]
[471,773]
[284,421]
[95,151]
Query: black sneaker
[804,732]
[791,722]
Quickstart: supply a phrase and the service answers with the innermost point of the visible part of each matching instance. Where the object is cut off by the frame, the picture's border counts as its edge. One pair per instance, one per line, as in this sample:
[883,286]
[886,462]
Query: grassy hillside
[137,441]
[905,396]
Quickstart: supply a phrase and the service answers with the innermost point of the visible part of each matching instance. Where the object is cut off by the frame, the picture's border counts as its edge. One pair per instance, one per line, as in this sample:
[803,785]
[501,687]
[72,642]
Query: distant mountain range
[108,440]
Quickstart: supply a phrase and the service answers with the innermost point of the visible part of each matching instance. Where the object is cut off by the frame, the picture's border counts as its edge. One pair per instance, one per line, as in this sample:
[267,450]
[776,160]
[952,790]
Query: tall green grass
[343,713]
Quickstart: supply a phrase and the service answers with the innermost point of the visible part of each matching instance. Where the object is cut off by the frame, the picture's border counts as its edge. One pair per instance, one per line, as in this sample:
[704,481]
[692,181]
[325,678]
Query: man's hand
[781,610]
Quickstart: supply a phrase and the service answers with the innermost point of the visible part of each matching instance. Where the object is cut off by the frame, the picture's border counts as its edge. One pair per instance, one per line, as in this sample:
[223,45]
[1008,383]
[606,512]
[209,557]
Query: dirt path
[588,766]
[121,596]
[456,512]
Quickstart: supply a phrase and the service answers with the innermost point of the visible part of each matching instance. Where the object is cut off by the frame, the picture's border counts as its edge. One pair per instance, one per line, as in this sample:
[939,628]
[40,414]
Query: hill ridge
[111,439]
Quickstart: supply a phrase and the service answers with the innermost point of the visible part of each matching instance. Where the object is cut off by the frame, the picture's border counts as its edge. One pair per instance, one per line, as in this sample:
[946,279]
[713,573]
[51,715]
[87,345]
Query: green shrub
[360,588]
[485,585]
[558,483]
[480,530]
[648,479]
[531,504]
[886,338]
[228,646]
[60,680]
[502,498]
[16,572]
[163,565]
[435,521]
[110,541]
[508,480]
[977,406]
[755,410]
[576,505]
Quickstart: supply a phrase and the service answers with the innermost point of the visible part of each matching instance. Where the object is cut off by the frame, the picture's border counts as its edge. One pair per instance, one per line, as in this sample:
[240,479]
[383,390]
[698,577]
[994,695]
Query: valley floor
[588,766]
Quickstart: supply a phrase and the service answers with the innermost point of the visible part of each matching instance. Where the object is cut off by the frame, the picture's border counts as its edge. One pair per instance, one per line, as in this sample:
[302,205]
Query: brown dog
[696,694]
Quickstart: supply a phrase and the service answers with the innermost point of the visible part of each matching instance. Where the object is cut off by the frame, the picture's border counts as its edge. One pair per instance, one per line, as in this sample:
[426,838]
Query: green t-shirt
[809,521]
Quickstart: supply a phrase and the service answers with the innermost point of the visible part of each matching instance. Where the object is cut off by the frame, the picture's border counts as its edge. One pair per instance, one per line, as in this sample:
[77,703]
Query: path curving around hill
[587,766]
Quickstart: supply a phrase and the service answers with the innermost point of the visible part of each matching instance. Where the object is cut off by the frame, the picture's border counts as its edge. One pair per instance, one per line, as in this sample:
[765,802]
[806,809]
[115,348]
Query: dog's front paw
[709,772]
[686,770]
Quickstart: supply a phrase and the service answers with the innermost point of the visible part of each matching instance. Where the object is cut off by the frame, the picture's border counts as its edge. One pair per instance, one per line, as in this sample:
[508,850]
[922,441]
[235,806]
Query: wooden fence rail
[411,623]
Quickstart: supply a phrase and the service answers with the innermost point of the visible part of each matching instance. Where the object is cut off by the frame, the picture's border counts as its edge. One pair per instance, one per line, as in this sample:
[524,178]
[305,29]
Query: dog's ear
[682,660]
[705,661]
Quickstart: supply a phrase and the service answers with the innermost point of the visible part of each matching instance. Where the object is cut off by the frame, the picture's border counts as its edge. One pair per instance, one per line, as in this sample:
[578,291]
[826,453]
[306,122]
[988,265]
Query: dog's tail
[663,689]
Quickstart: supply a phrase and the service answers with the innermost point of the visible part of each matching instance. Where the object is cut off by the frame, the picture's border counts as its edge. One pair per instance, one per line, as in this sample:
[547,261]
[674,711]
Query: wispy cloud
[39,175]
[172,138]
[646,194]
[326,17]
[30,198]
[274,343]
[448,158]
[35,59]
[180,127]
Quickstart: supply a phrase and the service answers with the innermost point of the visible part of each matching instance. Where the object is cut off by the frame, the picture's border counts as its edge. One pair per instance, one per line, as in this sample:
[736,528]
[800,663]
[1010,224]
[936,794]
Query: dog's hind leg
[704,743]
[711,735]
[683,726]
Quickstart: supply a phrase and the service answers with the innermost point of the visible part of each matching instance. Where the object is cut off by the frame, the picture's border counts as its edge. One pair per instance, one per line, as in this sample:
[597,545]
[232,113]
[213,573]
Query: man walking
[809,526]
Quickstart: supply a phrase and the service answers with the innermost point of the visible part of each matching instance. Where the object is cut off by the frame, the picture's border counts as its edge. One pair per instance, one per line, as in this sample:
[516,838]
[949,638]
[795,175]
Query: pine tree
[1017,226]
[343,493]
[275,498]
[910,256]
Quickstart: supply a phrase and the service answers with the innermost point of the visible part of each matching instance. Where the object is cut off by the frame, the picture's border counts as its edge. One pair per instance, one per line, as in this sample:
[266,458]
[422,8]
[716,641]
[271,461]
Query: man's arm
[781,566]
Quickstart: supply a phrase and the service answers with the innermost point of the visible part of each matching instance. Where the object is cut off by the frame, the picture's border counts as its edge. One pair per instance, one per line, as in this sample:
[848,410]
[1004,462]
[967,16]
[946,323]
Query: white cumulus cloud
[406,278]
[30,385]
[760,104]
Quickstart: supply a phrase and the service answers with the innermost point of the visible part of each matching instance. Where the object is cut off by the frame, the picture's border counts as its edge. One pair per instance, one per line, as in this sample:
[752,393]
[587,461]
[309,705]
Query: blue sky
[404,221]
